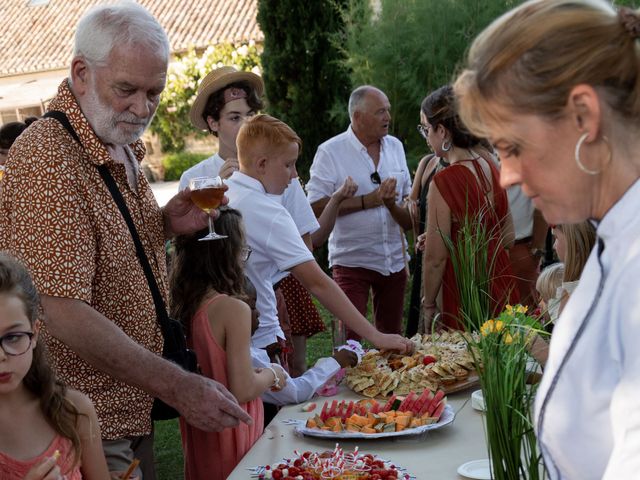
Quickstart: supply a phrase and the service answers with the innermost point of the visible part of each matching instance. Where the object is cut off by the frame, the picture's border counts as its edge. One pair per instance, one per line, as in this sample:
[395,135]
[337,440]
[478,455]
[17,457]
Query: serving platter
[441,361]
[300,428]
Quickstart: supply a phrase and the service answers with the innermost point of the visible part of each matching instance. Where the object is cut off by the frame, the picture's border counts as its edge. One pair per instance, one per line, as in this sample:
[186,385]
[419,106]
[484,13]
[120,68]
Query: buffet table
[434,455]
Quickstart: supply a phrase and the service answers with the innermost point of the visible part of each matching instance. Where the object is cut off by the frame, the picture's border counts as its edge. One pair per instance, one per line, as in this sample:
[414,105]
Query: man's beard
[104,120]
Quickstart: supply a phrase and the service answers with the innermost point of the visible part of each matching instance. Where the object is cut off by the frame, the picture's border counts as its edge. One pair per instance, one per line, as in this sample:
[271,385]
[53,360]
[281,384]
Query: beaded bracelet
[276,380]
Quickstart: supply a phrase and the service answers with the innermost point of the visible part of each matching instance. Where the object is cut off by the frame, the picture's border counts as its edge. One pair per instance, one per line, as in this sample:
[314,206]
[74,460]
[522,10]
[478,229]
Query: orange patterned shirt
[57,215]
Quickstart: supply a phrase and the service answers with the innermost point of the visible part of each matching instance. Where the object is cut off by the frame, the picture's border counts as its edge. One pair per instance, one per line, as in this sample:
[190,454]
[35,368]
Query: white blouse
[588,403]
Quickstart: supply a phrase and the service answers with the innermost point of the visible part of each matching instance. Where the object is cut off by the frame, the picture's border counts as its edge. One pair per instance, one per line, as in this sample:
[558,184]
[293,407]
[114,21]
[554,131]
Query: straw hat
[217,80]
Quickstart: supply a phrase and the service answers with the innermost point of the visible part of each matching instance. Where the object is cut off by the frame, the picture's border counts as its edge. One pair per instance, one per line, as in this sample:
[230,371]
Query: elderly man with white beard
[58,216]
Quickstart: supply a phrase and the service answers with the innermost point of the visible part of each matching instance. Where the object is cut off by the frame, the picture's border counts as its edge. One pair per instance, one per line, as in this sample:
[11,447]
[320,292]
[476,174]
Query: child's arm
[304,387]
[329,214]
[334,299]
[245,383]
[94,465]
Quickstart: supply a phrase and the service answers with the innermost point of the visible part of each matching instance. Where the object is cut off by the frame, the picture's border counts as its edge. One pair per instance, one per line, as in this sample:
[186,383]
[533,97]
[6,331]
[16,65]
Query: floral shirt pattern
[58,217]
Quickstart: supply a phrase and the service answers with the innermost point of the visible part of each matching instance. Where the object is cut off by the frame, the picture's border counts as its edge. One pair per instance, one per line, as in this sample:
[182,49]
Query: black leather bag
[175,343]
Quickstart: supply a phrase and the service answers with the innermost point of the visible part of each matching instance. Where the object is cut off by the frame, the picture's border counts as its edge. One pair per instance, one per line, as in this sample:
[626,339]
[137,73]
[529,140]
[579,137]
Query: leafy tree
[410,48]
[171,122]
[303,74]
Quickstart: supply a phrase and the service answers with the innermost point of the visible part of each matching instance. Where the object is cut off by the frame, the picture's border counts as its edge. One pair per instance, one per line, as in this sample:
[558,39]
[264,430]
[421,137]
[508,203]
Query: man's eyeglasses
[423,130]
[16,343]
[375,178]
[245,253]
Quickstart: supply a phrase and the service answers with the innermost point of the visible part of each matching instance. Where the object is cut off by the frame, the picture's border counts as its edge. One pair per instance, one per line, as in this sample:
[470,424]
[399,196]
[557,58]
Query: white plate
[478,469]
[445,419]
[477,401]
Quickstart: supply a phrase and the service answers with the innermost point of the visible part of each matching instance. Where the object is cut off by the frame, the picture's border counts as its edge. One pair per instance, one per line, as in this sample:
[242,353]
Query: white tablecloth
[434,456]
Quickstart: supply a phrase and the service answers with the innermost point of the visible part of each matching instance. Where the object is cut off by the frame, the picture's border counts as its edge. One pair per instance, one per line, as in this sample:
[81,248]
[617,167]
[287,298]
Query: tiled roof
[38,38]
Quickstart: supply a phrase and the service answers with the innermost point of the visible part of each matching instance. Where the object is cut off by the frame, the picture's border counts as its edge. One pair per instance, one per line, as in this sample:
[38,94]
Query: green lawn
[168,451]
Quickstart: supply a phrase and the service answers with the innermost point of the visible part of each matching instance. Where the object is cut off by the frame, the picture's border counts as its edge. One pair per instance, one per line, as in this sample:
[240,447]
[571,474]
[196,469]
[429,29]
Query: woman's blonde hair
[580,239]
[530,58]
[549,280]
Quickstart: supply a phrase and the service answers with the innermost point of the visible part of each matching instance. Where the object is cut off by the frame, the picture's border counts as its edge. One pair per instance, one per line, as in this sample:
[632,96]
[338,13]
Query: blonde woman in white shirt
[555,85]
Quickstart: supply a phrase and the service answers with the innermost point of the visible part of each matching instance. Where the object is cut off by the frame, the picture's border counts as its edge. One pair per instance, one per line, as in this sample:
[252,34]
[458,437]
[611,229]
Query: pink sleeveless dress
[213,455]
[12,469]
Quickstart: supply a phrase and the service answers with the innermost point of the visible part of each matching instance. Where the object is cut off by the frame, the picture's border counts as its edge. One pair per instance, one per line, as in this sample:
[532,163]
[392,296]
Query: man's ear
[213,125]
[80,75]
[585,110]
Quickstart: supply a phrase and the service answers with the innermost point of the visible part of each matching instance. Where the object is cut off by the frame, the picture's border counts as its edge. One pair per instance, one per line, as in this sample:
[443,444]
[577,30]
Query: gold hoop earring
[579,163]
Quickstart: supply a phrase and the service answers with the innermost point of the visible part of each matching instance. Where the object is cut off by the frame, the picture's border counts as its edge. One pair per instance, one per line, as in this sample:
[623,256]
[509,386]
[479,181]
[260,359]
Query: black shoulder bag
[175,344]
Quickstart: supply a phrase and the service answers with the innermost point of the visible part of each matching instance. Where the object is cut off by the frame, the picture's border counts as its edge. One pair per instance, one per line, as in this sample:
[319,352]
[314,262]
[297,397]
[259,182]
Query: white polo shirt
[276,246]
[209,167]
[369,238]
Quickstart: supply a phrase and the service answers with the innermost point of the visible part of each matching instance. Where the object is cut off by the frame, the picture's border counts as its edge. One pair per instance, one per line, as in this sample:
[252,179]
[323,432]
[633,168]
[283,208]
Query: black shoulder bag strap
[175,343]
[161,309]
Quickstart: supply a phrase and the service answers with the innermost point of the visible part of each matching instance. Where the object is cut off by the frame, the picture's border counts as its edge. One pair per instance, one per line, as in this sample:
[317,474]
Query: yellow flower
[487,327]
[521,308]
[491,326]
[509,309]
[508,339]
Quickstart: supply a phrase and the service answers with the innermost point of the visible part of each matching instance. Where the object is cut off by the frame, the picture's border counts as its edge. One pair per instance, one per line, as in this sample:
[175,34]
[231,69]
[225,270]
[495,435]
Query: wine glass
[207,193]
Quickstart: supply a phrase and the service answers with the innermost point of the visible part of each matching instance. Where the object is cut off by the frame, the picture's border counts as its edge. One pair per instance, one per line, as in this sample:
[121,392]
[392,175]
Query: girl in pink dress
[206,290]
[46,431]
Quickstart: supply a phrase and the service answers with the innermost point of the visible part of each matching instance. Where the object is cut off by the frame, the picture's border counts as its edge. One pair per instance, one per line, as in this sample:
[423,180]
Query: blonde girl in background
[547,285]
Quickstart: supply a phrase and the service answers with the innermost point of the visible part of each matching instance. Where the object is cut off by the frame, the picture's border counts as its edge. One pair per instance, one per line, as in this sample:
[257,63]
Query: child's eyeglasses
[16,343]
[245,253]
[375,178]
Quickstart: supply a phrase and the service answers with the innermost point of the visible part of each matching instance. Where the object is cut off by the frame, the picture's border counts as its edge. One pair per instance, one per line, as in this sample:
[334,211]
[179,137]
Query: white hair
[357,98]
[126,23]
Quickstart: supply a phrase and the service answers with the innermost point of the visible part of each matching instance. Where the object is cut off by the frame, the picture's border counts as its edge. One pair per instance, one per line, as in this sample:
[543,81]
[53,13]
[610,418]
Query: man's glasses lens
[375,178]
[16,343]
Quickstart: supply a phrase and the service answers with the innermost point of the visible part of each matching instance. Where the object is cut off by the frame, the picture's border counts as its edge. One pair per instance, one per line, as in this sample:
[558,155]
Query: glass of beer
[1,172]
[207,193]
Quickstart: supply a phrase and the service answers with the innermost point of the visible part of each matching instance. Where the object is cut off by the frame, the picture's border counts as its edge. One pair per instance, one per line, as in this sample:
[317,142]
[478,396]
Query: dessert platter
[369,419]
[331,465]
[442,361]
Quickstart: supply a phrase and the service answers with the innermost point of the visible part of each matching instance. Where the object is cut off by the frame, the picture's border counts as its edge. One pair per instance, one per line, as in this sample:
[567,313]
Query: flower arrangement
[500,348]
[501,353]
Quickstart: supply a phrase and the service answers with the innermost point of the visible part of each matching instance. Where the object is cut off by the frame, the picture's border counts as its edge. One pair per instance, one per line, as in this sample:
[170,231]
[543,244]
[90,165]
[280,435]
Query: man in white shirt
[367,249]
[268,150]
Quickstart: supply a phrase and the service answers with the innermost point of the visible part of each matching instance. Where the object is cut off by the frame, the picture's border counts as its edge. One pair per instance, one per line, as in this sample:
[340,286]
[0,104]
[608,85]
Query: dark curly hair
[12,130]
[40,380]
[215,102]
[197,267]
[440,109]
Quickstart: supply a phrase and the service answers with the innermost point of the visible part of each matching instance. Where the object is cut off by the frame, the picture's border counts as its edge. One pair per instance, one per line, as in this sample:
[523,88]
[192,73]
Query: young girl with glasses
[207,285]
[47,432]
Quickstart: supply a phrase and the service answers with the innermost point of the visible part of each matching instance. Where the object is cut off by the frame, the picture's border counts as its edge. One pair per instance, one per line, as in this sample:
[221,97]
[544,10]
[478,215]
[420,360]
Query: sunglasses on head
[375,178]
